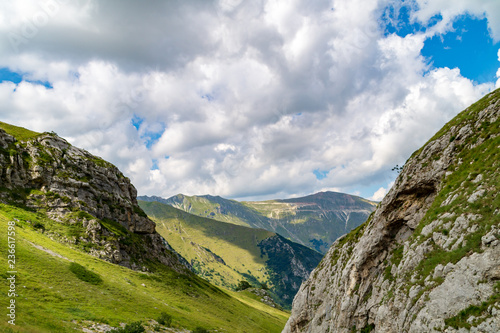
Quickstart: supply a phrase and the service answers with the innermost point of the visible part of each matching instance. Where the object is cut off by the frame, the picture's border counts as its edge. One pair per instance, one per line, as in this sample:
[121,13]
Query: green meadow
[58,287]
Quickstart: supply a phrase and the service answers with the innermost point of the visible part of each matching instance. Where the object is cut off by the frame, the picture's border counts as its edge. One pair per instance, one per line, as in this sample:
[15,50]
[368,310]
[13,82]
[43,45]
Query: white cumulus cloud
[234,98]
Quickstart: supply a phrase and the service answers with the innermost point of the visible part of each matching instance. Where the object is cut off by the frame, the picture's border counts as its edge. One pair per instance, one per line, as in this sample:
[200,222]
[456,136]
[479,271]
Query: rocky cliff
[428,259]
[43,172]
[289,264]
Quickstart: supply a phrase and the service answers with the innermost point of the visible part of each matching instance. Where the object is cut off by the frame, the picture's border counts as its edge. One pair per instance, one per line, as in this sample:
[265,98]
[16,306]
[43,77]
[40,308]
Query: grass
[482,159]
[348,242]
[51,296]
[84,274]
[367,328]
[164,319]
[201,241]
[135,327]
[477,155]
[226,254]
[275,209]
[312,219]
[465,116]
[210,207]
[102,163]
[302,222]
[397,256]
[20,133]
[461,319]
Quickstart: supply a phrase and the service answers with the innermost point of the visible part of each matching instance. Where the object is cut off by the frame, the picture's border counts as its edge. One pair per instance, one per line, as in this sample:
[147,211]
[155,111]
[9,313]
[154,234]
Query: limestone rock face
[47,173]
[50,164]
[429,257]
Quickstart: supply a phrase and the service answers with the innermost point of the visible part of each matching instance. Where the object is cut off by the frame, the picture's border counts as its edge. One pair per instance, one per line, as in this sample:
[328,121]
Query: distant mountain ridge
[315,221]
[225,253]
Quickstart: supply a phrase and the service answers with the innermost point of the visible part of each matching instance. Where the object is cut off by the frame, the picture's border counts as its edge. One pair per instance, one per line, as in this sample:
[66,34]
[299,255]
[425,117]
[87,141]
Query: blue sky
[7,75]
[469,47]
[248,100]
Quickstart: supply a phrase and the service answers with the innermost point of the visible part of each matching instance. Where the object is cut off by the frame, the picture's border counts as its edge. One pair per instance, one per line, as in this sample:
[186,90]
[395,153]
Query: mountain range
[314,221]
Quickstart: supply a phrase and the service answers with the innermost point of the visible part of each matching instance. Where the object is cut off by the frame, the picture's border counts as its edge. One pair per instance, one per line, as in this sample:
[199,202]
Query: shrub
[84,274]
[242,285]
[200,330]
[138,210]
[38,225]
[165,319]
[368,328]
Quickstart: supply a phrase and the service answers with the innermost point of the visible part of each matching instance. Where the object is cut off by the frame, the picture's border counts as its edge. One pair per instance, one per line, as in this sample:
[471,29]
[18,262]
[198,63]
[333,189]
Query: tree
[165,319]
[397,168]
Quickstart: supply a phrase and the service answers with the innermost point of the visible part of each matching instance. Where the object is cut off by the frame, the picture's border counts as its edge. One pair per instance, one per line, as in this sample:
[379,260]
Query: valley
[90,256]
[314,221]
[225,253]
[87,255]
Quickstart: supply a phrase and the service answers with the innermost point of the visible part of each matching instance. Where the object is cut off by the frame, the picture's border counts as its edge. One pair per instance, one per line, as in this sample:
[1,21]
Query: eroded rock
[430,251]
[48,173]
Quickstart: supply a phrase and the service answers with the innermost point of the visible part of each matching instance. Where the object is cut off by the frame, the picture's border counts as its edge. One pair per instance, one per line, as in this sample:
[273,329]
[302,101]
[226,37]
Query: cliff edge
[428,259]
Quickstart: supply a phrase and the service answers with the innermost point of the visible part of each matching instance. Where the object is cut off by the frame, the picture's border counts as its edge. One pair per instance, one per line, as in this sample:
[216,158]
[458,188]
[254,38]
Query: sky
[250,100]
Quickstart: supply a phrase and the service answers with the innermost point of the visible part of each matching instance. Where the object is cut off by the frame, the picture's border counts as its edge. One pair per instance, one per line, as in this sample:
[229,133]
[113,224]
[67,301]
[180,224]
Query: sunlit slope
[314,221]
[20,133]
[51,298]
[225,253]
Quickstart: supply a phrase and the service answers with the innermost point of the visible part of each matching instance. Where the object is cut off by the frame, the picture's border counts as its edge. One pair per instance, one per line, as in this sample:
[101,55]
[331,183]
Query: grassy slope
[191,235]
[50,296]
[210,207]
[314,221]
[19,133]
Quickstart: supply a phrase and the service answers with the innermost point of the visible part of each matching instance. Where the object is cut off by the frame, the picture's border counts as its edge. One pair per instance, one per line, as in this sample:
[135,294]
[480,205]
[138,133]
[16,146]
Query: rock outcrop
[288,263]
[47,174]
[78,179]
[428,260]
